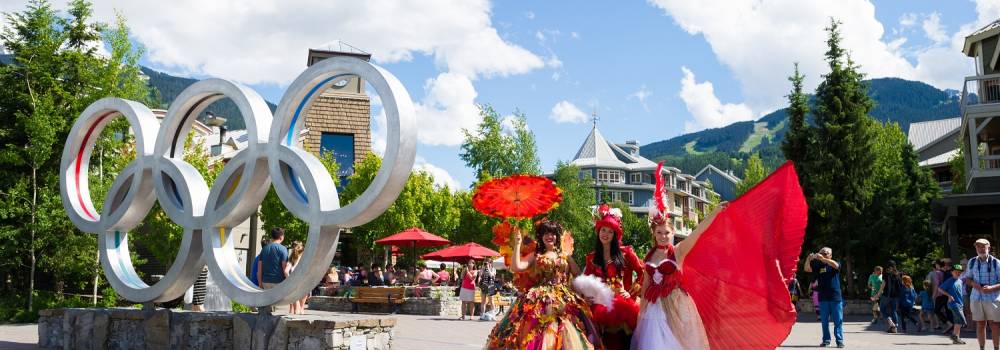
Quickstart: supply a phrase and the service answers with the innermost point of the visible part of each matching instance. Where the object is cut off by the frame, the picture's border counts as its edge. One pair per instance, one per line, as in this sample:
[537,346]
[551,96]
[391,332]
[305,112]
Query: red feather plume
[658,194]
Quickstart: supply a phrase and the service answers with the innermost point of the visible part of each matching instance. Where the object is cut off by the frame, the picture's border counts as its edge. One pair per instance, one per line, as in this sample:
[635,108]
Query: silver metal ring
[208,214]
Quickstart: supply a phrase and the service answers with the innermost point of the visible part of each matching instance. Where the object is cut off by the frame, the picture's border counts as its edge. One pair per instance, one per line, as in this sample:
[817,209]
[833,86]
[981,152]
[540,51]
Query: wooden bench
[377,295]
[500,302]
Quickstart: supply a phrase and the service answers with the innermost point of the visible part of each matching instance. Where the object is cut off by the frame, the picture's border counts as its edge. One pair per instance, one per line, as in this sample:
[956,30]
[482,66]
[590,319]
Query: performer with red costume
[724,287]
[616,266]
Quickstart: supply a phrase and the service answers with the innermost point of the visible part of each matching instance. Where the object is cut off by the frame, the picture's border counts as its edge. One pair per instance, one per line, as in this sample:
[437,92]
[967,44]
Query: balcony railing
[981,90]
[989,162]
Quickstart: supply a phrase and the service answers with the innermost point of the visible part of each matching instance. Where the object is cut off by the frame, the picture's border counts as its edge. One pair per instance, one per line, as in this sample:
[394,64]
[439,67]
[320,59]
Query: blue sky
[651,70]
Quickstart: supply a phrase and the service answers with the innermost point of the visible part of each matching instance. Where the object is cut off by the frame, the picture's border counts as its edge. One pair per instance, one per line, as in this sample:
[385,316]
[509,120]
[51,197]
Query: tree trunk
[31,243]
[97,256]
[97,275]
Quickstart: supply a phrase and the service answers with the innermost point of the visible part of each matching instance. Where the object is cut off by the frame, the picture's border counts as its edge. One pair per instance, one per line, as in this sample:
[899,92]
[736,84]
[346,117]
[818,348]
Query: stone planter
[169,329]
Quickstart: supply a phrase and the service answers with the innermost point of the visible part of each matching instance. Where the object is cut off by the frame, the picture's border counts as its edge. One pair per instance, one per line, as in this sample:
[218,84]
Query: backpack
[994,264]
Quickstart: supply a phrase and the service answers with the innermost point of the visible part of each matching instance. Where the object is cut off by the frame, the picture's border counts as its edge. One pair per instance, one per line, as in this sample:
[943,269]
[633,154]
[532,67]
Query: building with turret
[619,173]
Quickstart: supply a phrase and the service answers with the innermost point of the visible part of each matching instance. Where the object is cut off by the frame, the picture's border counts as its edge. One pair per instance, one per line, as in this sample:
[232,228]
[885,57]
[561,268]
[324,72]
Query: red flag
[737,271]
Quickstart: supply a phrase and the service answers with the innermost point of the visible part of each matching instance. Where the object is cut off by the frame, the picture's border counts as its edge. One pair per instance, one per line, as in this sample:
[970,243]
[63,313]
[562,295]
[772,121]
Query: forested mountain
[166,87]
[897,100]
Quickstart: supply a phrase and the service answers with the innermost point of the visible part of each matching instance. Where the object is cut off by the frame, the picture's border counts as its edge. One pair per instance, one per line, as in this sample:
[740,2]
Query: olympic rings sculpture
[208,214]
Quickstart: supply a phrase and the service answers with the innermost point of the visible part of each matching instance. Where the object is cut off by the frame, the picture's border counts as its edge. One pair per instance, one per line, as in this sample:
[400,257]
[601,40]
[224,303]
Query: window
[625,197]
[615,176]
[677,202]
[636,178]
[618,196]
[342,146]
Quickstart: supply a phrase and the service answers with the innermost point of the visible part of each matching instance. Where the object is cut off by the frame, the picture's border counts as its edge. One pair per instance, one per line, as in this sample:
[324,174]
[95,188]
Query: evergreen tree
[798,136]
[55,74]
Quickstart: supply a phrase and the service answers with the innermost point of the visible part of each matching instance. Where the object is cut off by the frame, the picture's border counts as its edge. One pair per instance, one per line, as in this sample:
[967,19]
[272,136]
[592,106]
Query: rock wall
[169,329]
[446,306]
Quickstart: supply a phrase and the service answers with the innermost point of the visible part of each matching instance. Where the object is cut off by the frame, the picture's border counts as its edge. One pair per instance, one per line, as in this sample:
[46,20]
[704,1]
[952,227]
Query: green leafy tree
[753,175]
[418,205]
[635,230]
[957,166]
[54,75]
[575,211]
[273,213]
[491,151]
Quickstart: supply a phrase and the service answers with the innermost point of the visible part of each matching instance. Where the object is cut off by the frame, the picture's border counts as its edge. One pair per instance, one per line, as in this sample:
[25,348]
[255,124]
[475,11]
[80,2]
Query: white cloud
[449,107]
[933,29]
[553,61]
[539,35]
[529,15]
[265,42]
[441,177]
[908,19]
[760,40]
[574,35]
[705,107]
[566,112]
[641,96]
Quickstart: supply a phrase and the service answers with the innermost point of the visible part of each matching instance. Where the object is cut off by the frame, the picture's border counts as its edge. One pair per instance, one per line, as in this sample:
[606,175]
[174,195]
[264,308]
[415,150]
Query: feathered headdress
[658,213]
[609,217]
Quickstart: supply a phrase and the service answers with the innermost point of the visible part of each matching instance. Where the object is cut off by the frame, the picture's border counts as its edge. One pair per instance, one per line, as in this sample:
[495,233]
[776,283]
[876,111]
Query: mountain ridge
[896,100]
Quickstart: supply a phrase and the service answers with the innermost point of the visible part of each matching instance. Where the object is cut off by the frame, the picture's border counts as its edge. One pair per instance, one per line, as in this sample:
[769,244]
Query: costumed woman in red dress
[724,286]
[616,266]
[549,315]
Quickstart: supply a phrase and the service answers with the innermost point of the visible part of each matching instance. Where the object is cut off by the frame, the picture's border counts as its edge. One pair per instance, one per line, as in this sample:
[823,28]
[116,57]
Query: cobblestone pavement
[447,333]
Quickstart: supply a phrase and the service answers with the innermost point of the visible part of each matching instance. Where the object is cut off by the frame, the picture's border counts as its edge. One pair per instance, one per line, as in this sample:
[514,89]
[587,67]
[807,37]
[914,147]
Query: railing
[981,89]
[989,162]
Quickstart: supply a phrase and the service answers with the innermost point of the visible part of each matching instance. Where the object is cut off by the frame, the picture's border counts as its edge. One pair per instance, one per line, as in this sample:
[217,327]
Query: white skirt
[467,295]
[652,331]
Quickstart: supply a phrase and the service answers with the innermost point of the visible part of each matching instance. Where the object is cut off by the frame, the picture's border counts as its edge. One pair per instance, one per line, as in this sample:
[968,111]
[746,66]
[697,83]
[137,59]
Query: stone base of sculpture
[124,328]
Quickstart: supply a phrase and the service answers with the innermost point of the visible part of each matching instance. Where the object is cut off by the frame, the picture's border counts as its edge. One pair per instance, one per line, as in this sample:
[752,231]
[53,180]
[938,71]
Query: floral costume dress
[549,315]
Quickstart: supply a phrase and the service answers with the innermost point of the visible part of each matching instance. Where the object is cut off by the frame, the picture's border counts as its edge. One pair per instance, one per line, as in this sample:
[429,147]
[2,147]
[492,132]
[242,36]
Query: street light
[217,121]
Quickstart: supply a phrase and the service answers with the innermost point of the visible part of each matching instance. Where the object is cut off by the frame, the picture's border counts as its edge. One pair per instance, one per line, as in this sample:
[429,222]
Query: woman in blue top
[909,296]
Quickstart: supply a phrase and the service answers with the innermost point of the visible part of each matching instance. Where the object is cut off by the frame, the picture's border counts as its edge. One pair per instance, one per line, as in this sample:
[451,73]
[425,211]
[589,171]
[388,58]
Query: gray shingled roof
[992,25]
[925,133]
[597,151]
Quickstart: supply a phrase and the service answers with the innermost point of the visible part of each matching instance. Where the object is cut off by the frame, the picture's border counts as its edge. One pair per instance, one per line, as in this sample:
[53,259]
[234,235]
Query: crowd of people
[276,262]
[951,294]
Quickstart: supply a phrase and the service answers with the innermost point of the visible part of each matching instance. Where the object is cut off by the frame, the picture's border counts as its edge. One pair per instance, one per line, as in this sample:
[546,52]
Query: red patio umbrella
[413,237]
[462,253]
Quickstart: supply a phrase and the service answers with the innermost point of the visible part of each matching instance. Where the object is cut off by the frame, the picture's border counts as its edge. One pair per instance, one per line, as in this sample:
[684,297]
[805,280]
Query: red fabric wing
[737,270]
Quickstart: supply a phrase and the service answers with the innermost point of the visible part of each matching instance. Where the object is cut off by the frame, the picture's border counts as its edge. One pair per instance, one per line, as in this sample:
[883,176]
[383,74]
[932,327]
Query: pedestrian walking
[874,285]
[940,273]
[889,295]
[952,290]
[906,302]
[927,308]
